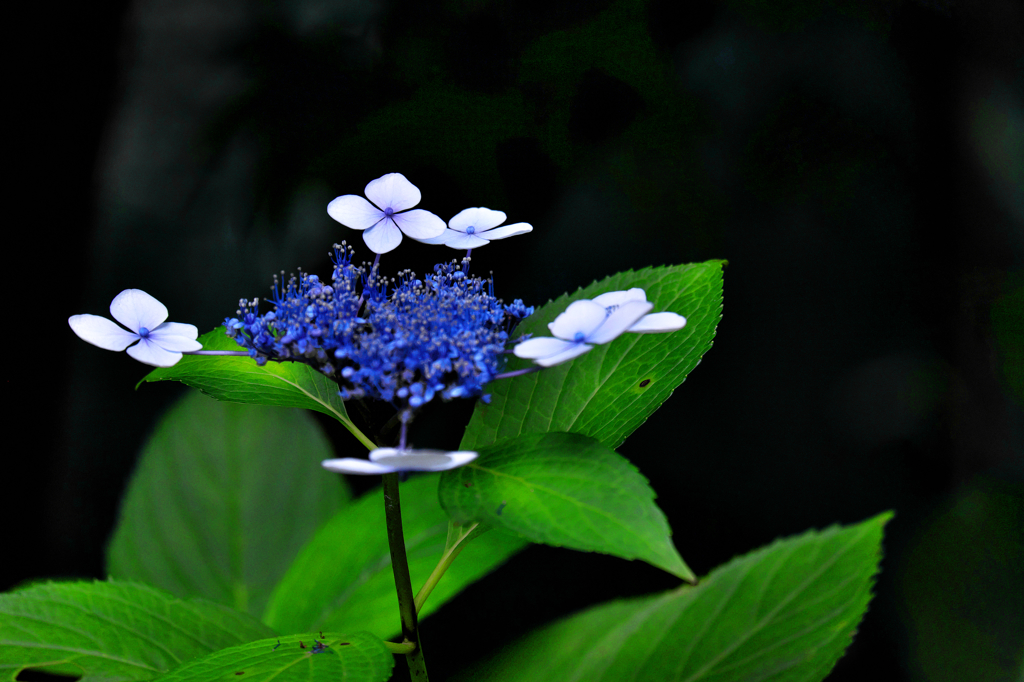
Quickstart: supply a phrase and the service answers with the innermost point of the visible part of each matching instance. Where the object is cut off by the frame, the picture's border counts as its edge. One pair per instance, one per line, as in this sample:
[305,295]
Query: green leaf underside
[783,613]
[112,630]
[599,394]
[342,579]
[358,657]
[222,500]
[564,489]
[238,379]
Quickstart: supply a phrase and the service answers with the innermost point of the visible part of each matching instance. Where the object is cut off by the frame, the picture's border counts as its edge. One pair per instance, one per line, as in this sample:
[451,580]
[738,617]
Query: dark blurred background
[860,163]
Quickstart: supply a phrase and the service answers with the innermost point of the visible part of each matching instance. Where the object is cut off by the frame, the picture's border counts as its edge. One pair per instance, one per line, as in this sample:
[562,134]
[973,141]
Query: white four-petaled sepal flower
[583,325]
[649,324]
[160,343]
[390,460]
[475,227]
[388,216]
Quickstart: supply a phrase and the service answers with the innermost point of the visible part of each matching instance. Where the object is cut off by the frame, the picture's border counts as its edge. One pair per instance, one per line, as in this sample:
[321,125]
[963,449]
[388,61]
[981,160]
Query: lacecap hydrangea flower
[475,227]
[391,460]
[587,323]
[655,323]
[156,342]
[385,219]
[406,341]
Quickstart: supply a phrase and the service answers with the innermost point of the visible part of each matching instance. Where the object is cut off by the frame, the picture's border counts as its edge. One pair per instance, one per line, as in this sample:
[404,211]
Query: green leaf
[223,498]
[783,613]
[112,630]
[564,489]
[608,392]
[237,379]
[342,579]
[359,657]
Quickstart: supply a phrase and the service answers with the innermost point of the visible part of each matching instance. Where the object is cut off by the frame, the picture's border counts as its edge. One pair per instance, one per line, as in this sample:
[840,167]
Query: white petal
[613,298]
[354,211]
[390,452]
[459,240]
[146,351]
[348,465]
[580,317]
[383,237]
[480,218]
[508,231]
[658,322]
[99,331]
[168,339]
[541,347]
[419,224]
[440,239]
[461,458]
[620,319]
[570,353]
[135,309]
[421,460]
[393,191]
[179,329]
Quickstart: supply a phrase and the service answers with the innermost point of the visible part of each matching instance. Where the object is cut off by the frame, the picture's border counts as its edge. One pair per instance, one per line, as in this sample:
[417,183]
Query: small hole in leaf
[240,672]
[30,675]
[644,382]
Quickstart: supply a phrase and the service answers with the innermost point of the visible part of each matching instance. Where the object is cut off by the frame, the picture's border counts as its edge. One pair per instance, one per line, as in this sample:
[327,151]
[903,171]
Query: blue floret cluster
[405,340]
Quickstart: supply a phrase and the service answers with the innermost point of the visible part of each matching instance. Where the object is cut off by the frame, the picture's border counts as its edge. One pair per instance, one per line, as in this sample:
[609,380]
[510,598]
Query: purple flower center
[470,230]
[580,337]
[143,332]
[388,212]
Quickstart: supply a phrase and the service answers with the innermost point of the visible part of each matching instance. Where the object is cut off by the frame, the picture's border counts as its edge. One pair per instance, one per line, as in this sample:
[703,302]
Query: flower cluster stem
[215,352]
[403,583]
[518,372]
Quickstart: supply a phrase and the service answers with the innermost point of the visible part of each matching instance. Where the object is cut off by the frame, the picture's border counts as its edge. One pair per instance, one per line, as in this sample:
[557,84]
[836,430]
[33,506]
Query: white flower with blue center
[384,220]
[583,325]
[587,323]
[476,227]
[655,323]
[156,342]
[391,460]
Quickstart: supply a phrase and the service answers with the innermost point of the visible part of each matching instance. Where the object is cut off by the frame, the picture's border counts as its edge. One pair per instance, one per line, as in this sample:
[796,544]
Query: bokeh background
[860,163]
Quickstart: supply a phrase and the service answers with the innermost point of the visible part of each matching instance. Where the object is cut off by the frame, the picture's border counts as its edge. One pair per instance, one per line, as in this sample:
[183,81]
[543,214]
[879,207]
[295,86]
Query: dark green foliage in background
[210,511]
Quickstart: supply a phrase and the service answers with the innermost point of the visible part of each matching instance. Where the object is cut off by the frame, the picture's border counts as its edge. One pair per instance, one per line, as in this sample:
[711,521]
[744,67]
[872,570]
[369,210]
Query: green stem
[447,558]
[400,647]
[403,583]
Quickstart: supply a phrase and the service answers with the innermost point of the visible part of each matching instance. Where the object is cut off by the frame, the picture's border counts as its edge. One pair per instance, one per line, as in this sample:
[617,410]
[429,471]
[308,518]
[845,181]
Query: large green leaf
[359,657]
[564,489]
[783,613]
[342,579]
[238,379]
[223,498]
[610,391]
[113,631]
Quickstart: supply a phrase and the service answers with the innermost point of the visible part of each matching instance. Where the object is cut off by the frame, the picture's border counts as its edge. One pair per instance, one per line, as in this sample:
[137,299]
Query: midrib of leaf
[236,557]
[637,621]
[555,493]
[337,415]
[81,652]
[114,624]
[771,614]
[184,513]
[707,622]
